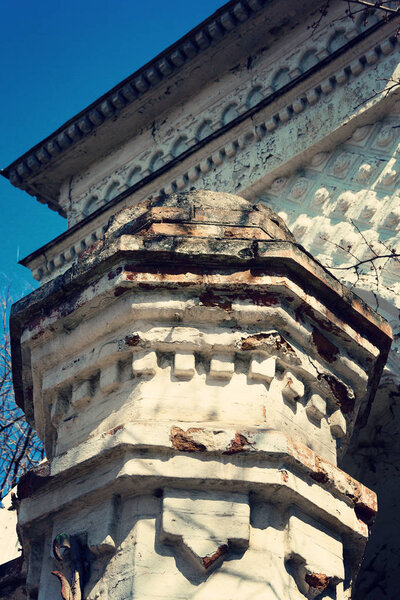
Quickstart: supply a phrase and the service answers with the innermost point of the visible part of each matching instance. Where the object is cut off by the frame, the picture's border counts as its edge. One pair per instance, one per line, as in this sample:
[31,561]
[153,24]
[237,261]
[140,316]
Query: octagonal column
[195,377]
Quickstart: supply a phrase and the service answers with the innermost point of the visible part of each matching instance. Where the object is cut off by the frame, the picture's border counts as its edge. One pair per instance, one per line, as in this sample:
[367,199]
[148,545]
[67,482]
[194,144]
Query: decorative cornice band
[237,143]
[211,31]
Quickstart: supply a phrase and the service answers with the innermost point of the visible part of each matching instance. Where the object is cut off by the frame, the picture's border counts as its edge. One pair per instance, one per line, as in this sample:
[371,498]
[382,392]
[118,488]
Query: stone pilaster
[195,377]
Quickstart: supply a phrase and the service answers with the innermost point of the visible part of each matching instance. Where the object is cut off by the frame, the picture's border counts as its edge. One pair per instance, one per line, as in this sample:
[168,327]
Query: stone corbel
[205,524]
[77,550]
[100,539]
[314,555]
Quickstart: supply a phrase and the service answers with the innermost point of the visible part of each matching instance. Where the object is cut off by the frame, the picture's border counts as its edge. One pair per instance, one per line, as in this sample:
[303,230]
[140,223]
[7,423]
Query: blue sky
[58,57]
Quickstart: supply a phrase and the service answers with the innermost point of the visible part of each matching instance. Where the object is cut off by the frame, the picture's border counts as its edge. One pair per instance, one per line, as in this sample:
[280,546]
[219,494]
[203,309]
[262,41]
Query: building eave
[132,89]
[168,166]
[38,170]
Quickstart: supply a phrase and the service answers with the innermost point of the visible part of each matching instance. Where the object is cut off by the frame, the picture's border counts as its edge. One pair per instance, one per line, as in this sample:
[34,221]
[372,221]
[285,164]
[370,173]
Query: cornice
[221,24]
[211,31]
[323,83]
[101,266]
[235,139]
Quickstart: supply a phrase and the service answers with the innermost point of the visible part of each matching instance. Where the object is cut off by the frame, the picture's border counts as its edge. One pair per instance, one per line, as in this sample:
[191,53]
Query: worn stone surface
[10,547]
[187,343]
[193,413]
[12,566]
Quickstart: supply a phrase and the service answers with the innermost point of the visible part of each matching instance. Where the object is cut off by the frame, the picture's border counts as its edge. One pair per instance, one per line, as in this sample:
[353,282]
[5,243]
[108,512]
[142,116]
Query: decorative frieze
[228,113]
[266,82]
[363,206]
[368,171]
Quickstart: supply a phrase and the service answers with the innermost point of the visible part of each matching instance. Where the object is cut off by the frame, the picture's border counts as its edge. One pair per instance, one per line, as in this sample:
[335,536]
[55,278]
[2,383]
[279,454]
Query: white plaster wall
[331,168]
[10,547]
[230,94]
[248,159]
[147,567]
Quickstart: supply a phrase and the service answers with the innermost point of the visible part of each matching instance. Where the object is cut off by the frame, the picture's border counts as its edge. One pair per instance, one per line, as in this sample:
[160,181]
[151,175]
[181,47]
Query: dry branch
[20,448]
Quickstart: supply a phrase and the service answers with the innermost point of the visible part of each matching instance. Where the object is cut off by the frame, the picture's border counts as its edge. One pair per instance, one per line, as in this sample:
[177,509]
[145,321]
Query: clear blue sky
[58,57]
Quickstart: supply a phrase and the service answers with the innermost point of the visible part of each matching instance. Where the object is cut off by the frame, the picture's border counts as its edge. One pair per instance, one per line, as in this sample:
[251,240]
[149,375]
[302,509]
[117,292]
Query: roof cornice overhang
[44,158]
[221,24]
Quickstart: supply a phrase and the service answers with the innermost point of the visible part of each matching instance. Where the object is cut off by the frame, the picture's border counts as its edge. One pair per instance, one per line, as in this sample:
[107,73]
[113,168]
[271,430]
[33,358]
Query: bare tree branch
[385,8]
[363,262]
[20,448]
[382,257]
[375,5]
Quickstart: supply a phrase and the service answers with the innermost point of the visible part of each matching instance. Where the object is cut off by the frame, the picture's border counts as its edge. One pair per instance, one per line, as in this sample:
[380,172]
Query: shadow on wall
[374,459]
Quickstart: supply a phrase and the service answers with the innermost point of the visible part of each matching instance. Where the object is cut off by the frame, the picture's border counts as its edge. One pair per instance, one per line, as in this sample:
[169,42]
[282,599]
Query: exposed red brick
[244,233]
[365,513]
[318,581]
[368,498]
[324,347]
[183,441]
[160,271]
[262,299]
[272,341]
[119,291]
[239,444]
[301,453]
[178,229]
[112,274]
[132,340]
[319,474]
[339,390]
[208,298]
[115,429]
[36,322]
[210,560]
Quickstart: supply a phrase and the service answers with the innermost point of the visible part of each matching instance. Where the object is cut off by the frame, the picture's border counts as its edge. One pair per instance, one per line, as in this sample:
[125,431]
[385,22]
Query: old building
[196,371]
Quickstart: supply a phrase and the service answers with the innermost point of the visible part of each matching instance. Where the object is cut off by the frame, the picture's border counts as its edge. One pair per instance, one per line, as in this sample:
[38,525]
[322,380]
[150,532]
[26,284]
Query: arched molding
[112,191]
[280,79]
[179,146]
[134,176]
[254,97]
[308,60]
[337,40]
[230,113]
[156,162]
[204,130]
[91,205]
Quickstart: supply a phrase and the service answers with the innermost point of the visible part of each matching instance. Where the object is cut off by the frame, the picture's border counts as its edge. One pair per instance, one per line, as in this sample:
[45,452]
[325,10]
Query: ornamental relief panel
[344,205]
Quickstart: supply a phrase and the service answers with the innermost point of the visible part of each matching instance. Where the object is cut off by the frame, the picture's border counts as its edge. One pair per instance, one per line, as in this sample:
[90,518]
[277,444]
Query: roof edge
[209,32]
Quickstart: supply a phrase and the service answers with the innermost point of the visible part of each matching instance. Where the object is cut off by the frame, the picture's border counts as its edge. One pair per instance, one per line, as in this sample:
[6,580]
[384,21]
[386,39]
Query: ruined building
[213,380]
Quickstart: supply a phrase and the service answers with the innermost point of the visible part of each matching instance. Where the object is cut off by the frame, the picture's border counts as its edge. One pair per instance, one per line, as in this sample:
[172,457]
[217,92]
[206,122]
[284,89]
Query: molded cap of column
[223,251]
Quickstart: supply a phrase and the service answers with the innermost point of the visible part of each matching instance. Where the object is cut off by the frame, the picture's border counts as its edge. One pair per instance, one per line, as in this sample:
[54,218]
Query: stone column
[195,377]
